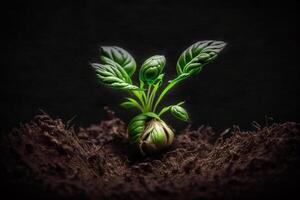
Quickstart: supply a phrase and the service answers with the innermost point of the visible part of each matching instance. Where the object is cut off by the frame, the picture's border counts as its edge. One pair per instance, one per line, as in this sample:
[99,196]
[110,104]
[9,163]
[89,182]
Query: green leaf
[127,104]
[179,112]
[131,103]
[136,126]
[113,76]
[151,69]
[198,55]
[109,54]
[167,108]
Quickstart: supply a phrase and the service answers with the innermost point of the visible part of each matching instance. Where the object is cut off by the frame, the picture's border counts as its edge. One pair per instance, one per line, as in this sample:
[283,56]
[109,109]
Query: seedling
[147,131]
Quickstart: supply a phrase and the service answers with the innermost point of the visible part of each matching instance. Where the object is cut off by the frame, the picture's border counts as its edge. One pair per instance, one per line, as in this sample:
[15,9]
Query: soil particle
[46,158]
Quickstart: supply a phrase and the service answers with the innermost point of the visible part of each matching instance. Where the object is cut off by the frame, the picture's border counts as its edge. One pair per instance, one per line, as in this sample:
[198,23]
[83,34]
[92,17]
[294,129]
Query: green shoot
[115,70]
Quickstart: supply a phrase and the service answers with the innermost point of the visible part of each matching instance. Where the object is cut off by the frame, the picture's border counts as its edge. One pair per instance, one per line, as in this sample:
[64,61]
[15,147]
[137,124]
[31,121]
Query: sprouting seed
[147,131]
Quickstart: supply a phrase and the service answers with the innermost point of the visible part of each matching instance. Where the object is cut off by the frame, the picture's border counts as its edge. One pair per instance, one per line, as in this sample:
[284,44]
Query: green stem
[148,98]
[140,107]
[164,110]
[144,98]
[171,84]
[142,85]
[139,96]
[152,95]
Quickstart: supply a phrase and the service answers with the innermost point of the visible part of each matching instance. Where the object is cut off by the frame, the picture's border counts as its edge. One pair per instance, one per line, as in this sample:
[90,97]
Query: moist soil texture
[48,158]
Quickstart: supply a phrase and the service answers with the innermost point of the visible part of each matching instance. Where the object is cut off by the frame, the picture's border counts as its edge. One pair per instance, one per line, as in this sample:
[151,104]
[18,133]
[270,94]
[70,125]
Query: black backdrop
[47,48]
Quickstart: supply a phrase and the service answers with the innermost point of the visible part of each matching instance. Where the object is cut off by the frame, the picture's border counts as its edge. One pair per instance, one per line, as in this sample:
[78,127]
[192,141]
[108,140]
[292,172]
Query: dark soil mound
[48,159]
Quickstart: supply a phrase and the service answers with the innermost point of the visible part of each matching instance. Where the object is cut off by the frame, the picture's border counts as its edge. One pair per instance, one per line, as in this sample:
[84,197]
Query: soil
[47,158]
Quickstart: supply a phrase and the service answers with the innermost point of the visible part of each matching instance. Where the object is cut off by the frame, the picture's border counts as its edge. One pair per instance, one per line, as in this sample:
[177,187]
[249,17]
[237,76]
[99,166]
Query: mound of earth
[47,158]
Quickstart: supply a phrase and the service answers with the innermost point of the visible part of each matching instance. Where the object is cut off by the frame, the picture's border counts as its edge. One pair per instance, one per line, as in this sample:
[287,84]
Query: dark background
[47,48]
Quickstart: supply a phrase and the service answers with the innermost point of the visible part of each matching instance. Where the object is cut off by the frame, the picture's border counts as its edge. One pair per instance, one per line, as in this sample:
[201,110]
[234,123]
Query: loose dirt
[47,158]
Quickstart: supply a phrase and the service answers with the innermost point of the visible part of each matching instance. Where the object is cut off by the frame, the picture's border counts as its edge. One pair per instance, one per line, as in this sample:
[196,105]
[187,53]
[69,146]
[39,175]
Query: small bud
[152,68]
[179,113]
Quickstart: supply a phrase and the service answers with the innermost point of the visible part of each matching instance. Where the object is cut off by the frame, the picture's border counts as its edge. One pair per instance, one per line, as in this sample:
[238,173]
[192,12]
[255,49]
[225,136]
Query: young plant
[147,131]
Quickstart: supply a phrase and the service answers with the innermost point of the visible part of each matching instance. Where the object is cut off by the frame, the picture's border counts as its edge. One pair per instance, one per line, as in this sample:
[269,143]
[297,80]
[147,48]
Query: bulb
[150,135]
